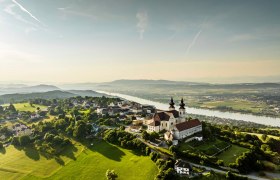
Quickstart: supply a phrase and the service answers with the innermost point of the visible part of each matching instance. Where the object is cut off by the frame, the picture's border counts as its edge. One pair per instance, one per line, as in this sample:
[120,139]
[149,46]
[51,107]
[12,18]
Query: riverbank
[269,121]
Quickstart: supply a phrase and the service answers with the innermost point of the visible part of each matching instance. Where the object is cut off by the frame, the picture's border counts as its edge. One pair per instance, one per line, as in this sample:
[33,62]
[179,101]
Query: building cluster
[125,108]
[21,129]
[174,123]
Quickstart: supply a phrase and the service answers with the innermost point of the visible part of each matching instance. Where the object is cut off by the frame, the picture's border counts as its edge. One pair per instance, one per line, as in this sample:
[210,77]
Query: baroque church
[174,122]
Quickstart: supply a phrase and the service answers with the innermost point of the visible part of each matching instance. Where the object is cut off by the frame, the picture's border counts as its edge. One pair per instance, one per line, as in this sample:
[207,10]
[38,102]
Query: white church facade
[174,122]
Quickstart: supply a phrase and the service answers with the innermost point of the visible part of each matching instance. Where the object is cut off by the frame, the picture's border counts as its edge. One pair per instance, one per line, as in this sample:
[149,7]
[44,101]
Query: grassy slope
[93,164]
[230,155]
[86,164]
[16,164]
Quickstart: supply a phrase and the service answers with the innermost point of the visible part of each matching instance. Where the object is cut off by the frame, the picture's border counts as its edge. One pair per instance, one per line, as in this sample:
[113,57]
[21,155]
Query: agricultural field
[236,105]
[84,162]
[27,107]
[230,155]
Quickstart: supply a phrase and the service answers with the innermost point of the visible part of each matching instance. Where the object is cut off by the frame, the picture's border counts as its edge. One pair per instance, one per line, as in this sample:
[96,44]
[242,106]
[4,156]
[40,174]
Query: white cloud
[70,11]
[9,9]
[142,22]
[26,11]
[193,41]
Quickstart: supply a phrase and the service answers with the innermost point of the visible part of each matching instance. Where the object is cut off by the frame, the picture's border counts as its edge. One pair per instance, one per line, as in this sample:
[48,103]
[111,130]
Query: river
[270,121]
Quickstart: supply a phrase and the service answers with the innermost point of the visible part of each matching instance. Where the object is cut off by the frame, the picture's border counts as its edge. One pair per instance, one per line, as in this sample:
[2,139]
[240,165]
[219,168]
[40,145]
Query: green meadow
[27,107]
[230,155]
[84,162]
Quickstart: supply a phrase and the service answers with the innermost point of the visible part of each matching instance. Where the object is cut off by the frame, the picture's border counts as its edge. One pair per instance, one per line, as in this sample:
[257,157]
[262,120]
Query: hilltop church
[174,122]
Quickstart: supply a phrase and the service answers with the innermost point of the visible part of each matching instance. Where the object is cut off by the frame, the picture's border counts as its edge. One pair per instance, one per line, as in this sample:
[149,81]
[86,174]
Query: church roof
[188,124]
[165,115]
[182,104]
[154,123]
[171,103]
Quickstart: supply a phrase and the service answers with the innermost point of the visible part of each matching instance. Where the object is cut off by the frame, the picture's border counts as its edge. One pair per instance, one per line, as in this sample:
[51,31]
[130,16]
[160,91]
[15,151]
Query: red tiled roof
[188,124]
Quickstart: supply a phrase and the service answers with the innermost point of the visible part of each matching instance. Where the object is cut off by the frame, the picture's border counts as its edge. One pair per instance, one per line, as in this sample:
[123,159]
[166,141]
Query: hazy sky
[103,40]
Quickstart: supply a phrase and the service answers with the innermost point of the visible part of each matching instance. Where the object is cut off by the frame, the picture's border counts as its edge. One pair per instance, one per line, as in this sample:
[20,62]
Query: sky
[103,40]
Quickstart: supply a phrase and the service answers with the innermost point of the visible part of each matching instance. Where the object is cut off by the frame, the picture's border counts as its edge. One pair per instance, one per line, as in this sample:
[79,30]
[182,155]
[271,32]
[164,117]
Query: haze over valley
[140,90]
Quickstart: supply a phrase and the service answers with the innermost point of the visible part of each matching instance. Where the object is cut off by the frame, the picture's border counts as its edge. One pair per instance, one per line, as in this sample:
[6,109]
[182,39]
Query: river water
[214,113]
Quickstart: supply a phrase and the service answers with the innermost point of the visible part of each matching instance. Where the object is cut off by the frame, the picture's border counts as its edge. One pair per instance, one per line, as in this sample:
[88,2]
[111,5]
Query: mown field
[27,107]
[84,163]
[207,147]
[230,155]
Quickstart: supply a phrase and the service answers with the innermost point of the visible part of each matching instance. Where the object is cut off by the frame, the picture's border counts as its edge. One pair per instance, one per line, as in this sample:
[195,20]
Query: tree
[145,135]
[1,145]
[264,137]
[15,141]
[220,162]
[122,128]
[111,175]
[24,140]
[12,108]
[1,109]
[81,129]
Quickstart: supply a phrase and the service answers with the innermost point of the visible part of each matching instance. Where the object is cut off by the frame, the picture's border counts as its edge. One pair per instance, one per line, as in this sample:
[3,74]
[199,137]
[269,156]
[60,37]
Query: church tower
[171,107]
[182,110]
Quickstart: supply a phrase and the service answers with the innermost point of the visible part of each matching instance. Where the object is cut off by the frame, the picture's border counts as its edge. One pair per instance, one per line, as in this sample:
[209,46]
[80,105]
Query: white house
[182,167]
[35,116]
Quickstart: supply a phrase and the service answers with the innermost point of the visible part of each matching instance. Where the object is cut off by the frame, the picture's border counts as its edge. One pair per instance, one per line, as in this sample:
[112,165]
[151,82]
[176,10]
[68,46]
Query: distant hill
[40,88]
[145,81]
[12,89]
[87,93]
[57,94]
[181,84]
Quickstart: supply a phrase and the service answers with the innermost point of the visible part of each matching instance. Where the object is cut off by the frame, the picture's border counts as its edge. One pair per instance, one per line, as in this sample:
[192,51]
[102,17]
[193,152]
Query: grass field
[94,162]
[27,107]
[83,164]
[207,147]
[17,164]
[230,155]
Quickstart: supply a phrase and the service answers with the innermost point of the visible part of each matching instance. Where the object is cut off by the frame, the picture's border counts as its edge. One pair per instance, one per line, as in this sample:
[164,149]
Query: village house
[135,128]
[102,111]
[35,116]
[21,129]
[182,167]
